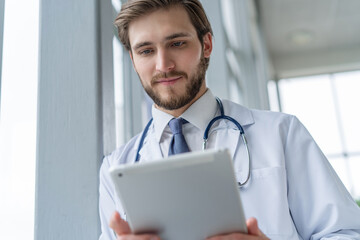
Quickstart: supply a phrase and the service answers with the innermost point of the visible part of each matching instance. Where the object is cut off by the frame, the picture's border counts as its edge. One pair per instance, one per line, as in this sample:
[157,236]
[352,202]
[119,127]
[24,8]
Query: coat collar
[151,147]
[226,132]
[240,113]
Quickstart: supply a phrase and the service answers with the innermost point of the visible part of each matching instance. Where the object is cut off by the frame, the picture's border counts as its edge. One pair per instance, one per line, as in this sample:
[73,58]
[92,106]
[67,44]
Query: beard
[192,87]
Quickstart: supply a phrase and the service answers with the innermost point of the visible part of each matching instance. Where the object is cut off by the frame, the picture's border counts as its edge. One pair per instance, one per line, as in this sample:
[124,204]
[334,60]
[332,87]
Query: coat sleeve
[320,205]
[106,201]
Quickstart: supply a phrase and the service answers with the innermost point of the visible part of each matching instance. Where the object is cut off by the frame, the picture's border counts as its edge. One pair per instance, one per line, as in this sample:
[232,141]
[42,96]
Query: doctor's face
[169,58]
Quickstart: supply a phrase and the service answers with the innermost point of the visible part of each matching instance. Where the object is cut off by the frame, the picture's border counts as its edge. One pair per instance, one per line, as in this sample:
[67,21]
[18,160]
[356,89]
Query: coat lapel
[230,137]
[151,148]
[227,137]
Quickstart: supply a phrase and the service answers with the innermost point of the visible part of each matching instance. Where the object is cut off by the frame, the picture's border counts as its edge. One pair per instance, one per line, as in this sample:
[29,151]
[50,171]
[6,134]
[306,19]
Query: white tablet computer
[189,196]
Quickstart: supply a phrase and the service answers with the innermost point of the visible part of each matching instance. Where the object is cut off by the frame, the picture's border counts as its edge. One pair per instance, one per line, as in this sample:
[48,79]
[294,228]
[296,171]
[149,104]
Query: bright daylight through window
[18,119]
[327,105]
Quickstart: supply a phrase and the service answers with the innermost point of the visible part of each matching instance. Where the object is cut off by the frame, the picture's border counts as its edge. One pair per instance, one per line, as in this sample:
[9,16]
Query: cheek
[193,57]
[144,69]
[188,62]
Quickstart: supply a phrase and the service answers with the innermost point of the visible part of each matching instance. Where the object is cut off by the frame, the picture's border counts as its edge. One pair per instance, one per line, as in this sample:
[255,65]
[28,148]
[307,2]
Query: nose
[164,62]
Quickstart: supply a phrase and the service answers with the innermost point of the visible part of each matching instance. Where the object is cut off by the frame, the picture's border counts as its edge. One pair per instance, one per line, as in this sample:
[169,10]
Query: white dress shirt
[193,131]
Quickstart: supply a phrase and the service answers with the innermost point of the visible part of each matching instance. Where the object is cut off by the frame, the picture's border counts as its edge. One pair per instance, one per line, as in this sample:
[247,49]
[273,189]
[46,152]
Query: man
[293,192]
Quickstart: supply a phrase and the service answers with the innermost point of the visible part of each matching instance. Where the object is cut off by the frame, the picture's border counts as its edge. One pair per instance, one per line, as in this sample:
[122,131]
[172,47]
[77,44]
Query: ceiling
[308,37]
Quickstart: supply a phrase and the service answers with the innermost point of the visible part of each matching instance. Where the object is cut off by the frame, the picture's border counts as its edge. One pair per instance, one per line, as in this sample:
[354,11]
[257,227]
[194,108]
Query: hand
[253,233]
[123,231]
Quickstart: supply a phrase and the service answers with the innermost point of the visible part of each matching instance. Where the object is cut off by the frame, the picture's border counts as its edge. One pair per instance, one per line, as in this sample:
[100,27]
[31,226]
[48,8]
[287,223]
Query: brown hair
[137,8]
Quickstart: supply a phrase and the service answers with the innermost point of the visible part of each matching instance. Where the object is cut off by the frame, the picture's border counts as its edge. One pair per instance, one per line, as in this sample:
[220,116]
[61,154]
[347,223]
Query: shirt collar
[198,114]
[202,111]
[160,120]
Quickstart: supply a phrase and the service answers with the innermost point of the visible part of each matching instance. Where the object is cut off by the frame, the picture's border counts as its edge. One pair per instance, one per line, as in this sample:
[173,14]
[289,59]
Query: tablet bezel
[195,185]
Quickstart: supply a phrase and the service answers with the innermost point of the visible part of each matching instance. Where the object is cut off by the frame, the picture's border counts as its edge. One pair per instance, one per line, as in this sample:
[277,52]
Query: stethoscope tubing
[206,136]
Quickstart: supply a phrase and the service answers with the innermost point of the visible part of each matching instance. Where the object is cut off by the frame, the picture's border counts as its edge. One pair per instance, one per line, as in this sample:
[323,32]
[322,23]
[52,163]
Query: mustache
[168,75]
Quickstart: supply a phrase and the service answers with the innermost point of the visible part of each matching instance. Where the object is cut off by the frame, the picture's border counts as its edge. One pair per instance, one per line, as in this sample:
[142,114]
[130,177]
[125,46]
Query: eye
[145,52]
[178,44]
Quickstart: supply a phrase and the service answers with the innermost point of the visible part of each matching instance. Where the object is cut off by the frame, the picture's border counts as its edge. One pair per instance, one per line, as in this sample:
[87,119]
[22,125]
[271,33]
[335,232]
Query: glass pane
[18,119]
[310,99]
[273,97]
[235,92]
[348,87]
[118,91]
[342,168]
[354,167]
[348,171]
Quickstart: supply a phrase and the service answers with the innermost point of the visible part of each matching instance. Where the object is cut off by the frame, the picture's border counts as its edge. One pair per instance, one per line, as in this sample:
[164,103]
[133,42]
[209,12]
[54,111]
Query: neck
[178,112]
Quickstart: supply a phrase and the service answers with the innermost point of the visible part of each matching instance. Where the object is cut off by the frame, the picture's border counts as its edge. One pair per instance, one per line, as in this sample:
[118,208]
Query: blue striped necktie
[178,143]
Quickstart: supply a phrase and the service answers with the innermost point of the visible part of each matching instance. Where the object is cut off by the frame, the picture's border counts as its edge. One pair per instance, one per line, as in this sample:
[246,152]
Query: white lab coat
[293,191]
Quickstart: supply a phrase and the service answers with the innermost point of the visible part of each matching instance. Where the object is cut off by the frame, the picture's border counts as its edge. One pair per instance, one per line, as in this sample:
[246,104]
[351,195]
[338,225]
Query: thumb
[253,228]
[119,225]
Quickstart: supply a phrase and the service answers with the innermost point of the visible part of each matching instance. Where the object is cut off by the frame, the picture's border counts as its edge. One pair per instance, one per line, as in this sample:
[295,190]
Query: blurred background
[69,95]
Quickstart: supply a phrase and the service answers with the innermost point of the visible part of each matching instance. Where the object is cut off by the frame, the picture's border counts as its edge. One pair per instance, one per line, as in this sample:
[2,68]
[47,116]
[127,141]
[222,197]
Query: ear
[207,44]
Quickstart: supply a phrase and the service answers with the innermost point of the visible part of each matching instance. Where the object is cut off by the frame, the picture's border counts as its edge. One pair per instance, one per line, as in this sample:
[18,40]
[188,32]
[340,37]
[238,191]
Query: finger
[253,232]
[138,237]
[253,228]
[232,236]
[119,225]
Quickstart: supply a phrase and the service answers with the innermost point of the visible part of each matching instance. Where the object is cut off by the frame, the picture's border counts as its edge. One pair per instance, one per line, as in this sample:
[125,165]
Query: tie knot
[175,125]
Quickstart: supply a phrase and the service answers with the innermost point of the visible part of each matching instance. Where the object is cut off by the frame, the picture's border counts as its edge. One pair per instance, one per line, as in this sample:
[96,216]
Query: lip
[168,81]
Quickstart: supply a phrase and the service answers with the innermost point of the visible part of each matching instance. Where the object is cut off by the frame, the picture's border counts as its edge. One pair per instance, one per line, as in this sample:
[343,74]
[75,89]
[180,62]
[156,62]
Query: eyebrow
[142,44]
[176,35]
[170,37]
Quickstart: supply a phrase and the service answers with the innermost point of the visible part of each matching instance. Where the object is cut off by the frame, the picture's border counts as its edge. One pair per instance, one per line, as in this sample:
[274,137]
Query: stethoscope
[206,136]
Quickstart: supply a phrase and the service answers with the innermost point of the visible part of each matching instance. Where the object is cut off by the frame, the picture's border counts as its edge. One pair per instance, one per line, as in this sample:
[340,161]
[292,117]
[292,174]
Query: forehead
[156,26]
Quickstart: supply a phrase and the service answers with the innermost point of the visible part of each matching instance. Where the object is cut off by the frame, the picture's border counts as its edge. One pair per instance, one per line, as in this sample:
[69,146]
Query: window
[327,105]
[18,119]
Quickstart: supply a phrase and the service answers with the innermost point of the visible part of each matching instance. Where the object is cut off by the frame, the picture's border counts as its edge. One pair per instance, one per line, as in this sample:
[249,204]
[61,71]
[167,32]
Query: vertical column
[105,54]
[2,6]
[217,77]
[133,99]
[70,119]
[251,53]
